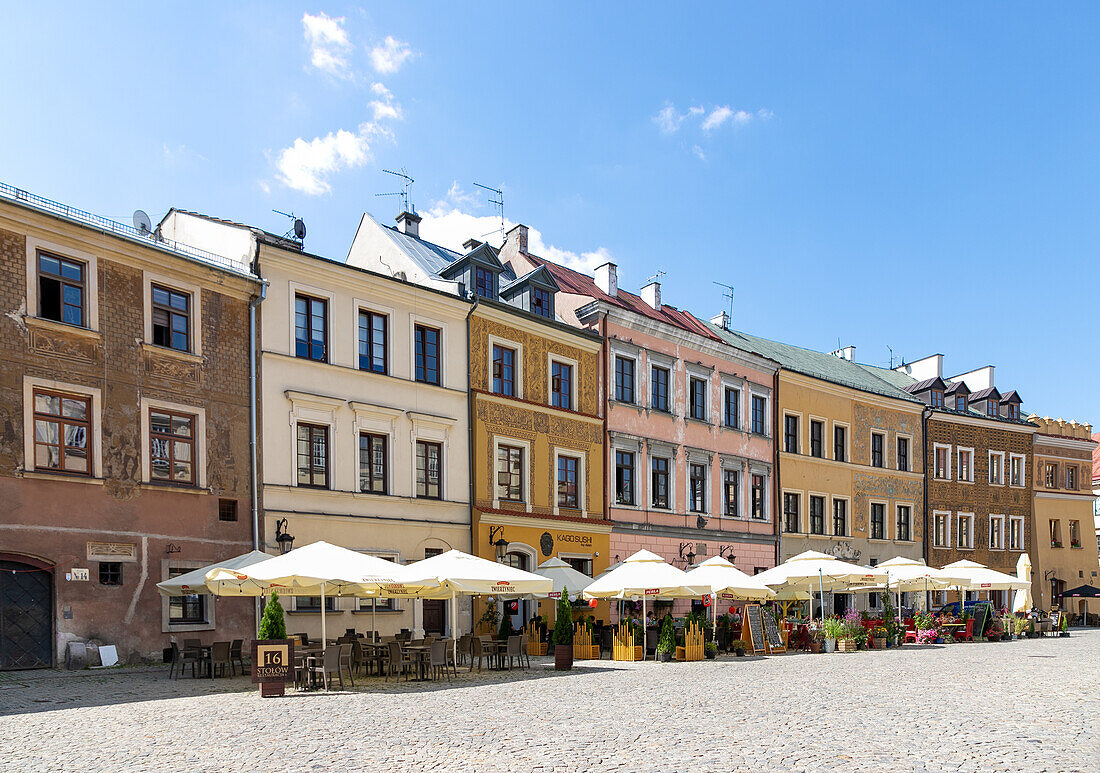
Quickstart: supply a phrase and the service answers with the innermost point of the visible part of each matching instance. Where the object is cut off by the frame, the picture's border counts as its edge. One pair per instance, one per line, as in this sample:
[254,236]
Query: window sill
[378,611]
[694,420]
[166,351]
[313,612]
[61,327]
[179,488]
[37,475]
[187,627]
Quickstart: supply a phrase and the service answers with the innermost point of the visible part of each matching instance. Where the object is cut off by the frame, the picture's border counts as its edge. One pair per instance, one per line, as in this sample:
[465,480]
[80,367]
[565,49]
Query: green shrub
[506,628]
[563,623]
[666,642]
[272,624]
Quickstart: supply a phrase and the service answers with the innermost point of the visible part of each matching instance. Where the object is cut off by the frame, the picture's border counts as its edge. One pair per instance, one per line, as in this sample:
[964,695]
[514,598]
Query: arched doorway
[520,558]
[26,615]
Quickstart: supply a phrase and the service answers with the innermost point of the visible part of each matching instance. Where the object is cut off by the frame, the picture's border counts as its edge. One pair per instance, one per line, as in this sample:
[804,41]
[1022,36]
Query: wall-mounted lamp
[723,549]
[690,557]
[496,539]
[283,538]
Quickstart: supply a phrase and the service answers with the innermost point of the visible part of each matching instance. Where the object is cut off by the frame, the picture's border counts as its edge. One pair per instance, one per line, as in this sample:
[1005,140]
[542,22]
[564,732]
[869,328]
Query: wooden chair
[329,664]
[219,658]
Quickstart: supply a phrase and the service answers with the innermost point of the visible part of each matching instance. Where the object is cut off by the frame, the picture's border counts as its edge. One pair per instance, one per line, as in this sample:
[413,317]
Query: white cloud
[379,90]
[329,45]
[383,110]
[457,196]
[389,55]
[764,113]
[721,115]
[699,154]
[669,119]
[449,226]
[306,166]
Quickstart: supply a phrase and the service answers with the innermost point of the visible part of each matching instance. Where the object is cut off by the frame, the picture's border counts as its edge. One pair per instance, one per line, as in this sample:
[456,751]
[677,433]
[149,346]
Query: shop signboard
[272,665]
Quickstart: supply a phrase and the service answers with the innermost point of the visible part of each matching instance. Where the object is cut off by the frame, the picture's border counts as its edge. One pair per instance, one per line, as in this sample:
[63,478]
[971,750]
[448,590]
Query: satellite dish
[300,229]
[142,222]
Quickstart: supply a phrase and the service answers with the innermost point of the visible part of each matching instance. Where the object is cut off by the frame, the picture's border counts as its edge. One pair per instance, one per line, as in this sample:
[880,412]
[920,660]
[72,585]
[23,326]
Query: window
[313,604]
[790,434]
[1071,477]
[484,282]
[227,509]
[905,514]
[1016,470]
[996,467]
[965,531]
[936,399]
[659,477]
[171,447]
[624,478]
[1012,411]
[991,408]
[567,482]
[311,328]
[624,380]
[996,532]
[878,441]
[426,341]
[1075,534]
[697,478]
[659,389]
[878,520]
[731,485]
[960,403]
[186,609]
[561,385]
[62,426]
[817,514]
[941,468]
[941,529]
[429,470]
[817,431]
[510,474]
[965,464]
[903,454]
[791,521]
[758,511]
[840,517]
[759,424]
[540,303]
[733,408]
[504,370]
[697,399]
[1015,533]
[372,463]
[1055,533]
[372,341]
[110,573]
[1050,475]
[840,443]
[171,318]
[312,455]
[61,288]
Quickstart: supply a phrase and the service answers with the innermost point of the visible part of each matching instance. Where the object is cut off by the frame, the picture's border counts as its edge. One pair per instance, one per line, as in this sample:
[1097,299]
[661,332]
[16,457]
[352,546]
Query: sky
[905,179]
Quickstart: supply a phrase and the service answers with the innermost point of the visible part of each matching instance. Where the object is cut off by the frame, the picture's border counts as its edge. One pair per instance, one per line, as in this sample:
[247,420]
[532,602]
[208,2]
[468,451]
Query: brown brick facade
[64,521]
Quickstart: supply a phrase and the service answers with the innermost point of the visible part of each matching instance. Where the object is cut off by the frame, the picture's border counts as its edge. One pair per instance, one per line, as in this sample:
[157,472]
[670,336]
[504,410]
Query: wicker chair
[219,658]
[398,662]
[180,659]
[438,661]
[236,655]
[329,664]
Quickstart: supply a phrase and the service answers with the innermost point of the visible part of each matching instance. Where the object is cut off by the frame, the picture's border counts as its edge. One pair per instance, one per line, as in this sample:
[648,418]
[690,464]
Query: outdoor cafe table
[953,628]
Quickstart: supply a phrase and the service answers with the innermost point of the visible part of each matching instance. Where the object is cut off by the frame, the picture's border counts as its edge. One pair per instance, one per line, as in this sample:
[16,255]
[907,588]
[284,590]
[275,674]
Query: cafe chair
[398,662]
[180,659]
[477,652]
[328,663]
[236,655]
[967,634]
[438,660]
[219,658]
[513,651]
[347,662]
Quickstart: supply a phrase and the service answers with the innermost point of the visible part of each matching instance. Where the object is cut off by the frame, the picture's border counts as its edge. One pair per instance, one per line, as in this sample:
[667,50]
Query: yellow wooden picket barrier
[583,648]
[535,647]
[693,643]
[623,647]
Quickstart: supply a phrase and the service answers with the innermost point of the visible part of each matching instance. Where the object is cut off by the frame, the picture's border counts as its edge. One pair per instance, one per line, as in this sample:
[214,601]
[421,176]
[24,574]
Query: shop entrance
[26,604]
[519,561]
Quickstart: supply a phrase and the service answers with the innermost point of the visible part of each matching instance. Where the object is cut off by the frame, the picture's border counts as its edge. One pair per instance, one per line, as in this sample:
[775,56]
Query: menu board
[979,612]
[754,628]
[775,639]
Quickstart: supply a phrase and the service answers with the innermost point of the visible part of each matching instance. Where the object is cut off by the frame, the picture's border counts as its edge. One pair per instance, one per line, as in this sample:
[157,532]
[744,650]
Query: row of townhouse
[172,399]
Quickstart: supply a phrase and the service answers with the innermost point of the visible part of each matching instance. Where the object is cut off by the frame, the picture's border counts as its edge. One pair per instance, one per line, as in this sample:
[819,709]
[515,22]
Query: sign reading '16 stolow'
[272,660]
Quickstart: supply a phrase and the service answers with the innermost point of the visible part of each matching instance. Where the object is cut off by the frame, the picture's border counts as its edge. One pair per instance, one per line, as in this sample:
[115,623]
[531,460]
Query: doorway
[26,616]
[522,561]
[435,610]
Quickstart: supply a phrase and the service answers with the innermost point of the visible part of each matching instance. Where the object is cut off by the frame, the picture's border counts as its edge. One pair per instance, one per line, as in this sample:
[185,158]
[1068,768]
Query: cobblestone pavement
[1031,705]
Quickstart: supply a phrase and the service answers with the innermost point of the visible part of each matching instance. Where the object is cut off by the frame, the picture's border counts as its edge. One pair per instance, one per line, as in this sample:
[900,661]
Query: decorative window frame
[363,304]
[95,442]
[1004,473]
[517,366]
[210,606]
[699,456]
[641,382]
[886,520]
[958,477]
[847,515]
[430,429]
[321,410]
[1023,470]
[912,519]
[1008,533]
[728,381]
[826,439]
[654,450]
[765,470]
[910,457]
[148,279]
[783,432]
[959,516]
[783,493]
[504,440]
[582,481]
[948,517]
[200,460]
[705,374]
[826,514]
[757,390]
[885,448]
[91,279]
[1001,521]
[847,442]
[551,358]
[950,462]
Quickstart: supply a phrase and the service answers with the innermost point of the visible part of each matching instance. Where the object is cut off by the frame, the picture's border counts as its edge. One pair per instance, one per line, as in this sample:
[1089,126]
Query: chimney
[607,279]
[519,235]
[651,294]
[409,223]
[722,320]
[845,353]
[471,244]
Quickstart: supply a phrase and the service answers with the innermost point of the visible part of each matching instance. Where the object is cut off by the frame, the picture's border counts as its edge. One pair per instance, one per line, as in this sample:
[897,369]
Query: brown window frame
[507,487]
[324,430]
[382,478]
[62,282]
[62,422]
[503,377]
[561,373]
[172,439]
[563,494]
[367,361]
[171,312]
[308,341]
[425,362]
[426,445]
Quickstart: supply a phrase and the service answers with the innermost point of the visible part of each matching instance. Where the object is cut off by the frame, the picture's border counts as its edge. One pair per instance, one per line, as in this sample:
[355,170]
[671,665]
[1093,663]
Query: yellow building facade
[538,445]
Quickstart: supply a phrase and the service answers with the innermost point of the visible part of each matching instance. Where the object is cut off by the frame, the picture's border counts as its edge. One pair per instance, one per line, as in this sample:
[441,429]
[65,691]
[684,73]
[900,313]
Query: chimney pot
[409,223]
[607,279]
[845,353]
[651,294]
[518,234]
[722,320]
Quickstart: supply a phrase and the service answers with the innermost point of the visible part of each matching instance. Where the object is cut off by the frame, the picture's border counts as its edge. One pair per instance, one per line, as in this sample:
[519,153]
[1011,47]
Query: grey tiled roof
[808,362]
[430,257]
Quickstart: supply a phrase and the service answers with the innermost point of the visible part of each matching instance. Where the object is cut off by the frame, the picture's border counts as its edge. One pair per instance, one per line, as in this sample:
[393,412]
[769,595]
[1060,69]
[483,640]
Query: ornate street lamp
[496,539]
[284,539]
[690,557]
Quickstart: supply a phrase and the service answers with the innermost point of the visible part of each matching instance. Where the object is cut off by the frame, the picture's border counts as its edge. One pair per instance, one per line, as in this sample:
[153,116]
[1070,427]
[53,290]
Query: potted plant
[1031,634]
[666,642]
[739,648]
[852,623]
[563,634]
[833,629]
[1019,625]
[710,649]
[273,624]
[817,636]
[1063,624]
[878,637]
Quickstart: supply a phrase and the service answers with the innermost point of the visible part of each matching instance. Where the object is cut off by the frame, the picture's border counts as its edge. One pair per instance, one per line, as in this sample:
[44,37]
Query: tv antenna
[297,230]
[498,202]
[891,356]
[656,277]
[406,184]
[727,294]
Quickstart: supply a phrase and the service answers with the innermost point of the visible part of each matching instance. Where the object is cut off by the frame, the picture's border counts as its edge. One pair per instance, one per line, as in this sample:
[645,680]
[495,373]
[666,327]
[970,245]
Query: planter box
[845,645]
[631,654]
[878,644]
[536,648]
[586,652]
[563,657]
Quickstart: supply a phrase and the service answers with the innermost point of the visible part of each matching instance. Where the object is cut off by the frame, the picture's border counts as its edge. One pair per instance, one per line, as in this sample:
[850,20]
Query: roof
[957,386]
[540,275]
[989,393]
[827,367]
[1096,458]
[576,283]
[1012,396]
[432,258]
[261,234]
[928,383]
[482,253]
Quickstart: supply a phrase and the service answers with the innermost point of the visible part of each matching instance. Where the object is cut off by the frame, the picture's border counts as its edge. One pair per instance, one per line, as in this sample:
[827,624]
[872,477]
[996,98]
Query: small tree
[563,623]
[666,642]
[272,624]
[506,628]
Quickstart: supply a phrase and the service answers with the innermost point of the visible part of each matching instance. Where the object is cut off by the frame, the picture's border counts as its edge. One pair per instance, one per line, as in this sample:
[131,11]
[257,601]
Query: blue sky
[919,177]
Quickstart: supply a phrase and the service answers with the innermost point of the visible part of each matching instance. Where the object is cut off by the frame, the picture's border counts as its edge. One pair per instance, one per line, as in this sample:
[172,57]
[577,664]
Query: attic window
[991,408]
[540,303]
[937,398]
[483,282]
[1012,411]
[960,402]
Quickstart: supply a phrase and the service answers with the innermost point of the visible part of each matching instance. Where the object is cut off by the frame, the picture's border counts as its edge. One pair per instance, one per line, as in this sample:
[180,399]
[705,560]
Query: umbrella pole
[454,632]
[821,596]
[644,631]
[324,631]
[373,619]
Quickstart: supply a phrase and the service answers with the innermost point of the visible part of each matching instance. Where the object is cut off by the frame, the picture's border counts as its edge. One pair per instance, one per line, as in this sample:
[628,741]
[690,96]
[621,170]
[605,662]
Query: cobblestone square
[1031,705]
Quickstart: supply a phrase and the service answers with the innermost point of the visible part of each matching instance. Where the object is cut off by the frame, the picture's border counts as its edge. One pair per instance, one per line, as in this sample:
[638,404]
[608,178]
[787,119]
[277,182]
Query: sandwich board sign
[272,665]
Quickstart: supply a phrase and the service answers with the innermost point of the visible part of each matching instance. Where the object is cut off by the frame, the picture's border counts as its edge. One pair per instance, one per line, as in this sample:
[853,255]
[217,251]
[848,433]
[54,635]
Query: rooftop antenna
[297,230]
[498,202]
[656,277]
[404,192]
[727,294]
[891,356]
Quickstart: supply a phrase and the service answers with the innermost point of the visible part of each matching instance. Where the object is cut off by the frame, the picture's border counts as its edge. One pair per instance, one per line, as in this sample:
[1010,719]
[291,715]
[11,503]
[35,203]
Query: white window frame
[517,366]
[826,514]
[912,516]
[825,438]
[765,472]
[504,440]
[91,280]
[847,515]
[738,469]
[211,608]
[958,464]
[1008,535]
[959,516]
[996,526]
[695,457]
[575,369]
[947,531]
[444,362]
[909,440]
[582,488]
[95,439]
[757,391]
[200,460]
[885,449]
[1004,474]
[783,437]
[640,382]
[653,451]
[738,386]
[783,514]
[1023,470]
[702,374]
[885,518]
[847,442]
[950,461]
[148,279]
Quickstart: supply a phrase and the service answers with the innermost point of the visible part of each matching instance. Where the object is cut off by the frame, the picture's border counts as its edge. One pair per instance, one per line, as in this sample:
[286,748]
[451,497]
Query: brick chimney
[607,279]
[409,223]
[651,294]
[518,236]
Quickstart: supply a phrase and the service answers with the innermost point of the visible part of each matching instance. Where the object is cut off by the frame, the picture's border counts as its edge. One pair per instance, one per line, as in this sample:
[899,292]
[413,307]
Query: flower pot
[815,646]
[830,645]
[710,654]
[878,643]
[846,645]
[664,657]
[739,652]
[563,657]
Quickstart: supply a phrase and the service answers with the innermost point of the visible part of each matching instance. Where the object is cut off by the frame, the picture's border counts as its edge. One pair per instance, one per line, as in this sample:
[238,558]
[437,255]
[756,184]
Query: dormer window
[960,403]
[540,303]
[1012,411]
[484,282]
[991,408]
[936,398]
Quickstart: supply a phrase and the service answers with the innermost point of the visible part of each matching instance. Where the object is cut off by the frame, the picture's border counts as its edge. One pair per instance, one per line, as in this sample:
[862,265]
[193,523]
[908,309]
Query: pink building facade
[689,422]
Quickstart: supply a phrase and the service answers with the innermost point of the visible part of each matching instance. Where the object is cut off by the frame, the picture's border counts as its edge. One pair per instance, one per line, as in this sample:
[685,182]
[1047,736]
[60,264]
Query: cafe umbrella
[812,570]
[726,580]
[979,577]
[195,581]
[1022,601]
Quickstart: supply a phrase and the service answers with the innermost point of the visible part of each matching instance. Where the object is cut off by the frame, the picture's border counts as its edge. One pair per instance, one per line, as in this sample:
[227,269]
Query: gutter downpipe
[924,415]
[253,451]
[470,465]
